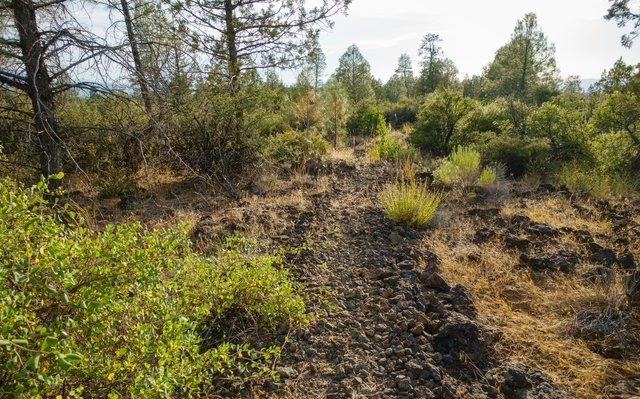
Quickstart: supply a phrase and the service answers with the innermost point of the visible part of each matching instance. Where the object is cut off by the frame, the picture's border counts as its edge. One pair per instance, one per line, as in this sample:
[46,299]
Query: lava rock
[434,281]
[518,381]
[128,203]
[562,260]
[601,255]
[459,334]
[462,300]
[626,260]
[515,242]
[483,235]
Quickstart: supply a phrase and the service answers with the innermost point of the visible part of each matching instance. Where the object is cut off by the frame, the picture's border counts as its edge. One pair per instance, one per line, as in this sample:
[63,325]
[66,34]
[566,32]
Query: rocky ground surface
[392,324]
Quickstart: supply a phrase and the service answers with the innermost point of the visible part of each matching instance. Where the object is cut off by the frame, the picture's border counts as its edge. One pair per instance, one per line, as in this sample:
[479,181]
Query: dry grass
[534,313]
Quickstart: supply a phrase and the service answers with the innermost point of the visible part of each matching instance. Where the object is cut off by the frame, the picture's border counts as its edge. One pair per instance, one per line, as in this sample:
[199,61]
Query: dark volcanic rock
[434,280]
[601,255]
[461,334]
[562,260]
[513,241]
[519,220]
[128,203]
[627,261]
[483,235]
[462,301]
[517,381]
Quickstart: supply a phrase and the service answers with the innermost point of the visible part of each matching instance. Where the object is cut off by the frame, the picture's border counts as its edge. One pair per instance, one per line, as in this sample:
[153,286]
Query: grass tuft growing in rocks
[409,201]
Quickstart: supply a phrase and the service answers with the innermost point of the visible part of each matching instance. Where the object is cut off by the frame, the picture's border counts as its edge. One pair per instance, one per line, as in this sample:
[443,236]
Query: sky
[472,31]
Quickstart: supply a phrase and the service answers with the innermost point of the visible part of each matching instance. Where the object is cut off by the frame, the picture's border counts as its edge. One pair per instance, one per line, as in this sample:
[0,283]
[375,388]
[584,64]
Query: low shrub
[580,177]
[367,119]
[488,176]
[402,113]
[409,201]
[392,146]
[296,148]
[127,312]
[520,155]
[460,168]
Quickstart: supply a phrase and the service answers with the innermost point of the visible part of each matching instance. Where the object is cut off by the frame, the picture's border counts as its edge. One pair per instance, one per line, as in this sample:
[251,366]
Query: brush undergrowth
[123,312]
[460,168]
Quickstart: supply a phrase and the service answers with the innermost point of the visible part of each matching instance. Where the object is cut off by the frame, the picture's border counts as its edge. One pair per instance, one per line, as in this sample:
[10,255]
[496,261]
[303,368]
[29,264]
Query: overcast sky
[473,30]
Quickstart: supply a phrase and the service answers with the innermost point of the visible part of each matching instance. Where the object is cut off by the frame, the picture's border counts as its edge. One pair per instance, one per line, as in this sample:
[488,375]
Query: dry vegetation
[535,313]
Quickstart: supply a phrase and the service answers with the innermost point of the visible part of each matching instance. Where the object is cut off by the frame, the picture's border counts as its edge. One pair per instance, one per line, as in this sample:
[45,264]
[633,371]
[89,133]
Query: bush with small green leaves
[392,146]
[366,119]
[296,148]
[460,168]
[124,312]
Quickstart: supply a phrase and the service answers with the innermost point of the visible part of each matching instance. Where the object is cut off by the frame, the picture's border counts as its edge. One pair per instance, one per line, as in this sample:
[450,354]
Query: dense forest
[191,92]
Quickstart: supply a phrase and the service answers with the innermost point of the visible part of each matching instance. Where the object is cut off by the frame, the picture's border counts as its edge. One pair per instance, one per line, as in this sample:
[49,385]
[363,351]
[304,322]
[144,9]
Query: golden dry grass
[534,313]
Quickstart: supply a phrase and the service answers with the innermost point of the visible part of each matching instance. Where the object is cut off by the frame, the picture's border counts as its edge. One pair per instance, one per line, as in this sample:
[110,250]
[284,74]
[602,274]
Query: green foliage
[392,146]
[296,148]
[410,202]
[438,120]
[366,119]
[460,168]
[401,113]
[128,312]
[613,152]
[524,68]
[488,176]
[581,177]
[519,154]
[354,73]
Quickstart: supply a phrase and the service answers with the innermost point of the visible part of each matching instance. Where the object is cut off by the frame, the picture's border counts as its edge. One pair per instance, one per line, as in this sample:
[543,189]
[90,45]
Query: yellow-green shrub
[460,168]
[488,176]
[296,148]
[123,312]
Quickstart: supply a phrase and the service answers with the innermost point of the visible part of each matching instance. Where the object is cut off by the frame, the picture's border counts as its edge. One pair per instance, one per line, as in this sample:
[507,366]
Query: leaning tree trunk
[39,90]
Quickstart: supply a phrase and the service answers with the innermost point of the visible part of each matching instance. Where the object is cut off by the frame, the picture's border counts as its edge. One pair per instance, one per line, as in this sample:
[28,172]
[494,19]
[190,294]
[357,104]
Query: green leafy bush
[519,154]
[296,148]
[392,146]
[460,168]
[127,312]
[367,119]
[402,112]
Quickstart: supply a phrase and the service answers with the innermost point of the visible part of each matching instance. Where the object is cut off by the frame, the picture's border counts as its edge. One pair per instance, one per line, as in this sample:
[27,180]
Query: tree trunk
[39,90]
[137,62]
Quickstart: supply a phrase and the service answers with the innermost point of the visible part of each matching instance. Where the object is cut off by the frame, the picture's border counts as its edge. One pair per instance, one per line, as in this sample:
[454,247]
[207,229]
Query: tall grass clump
[409,201]
[460,168]
[488,176]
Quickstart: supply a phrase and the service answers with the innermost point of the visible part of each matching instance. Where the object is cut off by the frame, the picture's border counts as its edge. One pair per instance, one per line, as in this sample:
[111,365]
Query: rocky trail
[529,295]
[396,328]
